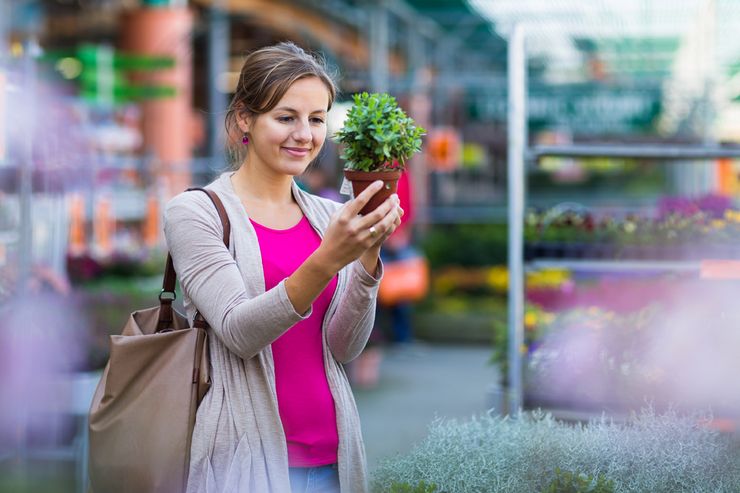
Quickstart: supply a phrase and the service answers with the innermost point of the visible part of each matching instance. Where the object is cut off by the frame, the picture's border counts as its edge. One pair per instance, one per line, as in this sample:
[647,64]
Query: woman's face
[287,138]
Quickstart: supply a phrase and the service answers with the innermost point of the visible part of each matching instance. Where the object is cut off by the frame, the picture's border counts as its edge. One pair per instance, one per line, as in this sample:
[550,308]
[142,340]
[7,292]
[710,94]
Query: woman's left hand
[386,227]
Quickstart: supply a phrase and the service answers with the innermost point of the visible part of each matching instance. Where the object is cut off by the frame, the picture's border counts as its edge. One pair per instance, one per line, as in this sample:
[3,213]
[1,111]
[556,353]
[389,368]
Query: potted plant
[378,138]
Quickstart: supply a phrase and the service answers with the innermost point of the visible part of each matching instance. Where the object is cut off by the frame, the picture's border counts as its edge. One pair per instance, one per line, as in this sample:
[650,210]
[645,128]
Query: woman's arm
[347,238]
[209,275]
[352,323]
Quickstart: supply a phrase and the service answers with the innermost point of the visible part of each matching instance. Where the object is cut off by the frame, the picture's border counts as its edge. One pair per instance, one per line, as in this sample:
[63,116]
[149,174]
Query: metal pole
[378,47]
[218,65]
[26,166]
[517,141]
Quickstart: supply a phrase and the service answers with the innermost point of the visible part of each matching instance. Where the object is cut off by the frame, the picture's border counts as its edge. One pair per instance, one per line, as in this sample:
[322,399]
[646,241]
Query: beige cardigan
[238,442]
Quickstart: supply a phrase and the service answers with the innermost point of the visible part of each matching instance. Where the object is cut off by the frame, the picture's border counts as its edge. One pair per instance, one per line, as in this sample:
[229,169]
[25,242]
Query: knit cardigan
[238,443]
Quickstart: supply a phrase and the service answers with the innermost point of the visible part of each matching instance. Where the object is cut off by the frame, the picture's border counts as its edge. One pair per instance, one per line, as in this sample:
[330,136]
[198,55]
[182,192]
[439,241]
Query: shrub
[377,135]
[422,487]
[466,245]
[568,482]
[665,453]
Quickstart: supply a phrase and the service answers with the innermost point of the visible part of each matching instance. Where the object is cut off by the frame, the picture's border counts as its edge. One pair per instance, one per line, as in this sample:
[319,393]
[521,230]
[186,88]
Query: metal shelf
[662,152]
[581,265]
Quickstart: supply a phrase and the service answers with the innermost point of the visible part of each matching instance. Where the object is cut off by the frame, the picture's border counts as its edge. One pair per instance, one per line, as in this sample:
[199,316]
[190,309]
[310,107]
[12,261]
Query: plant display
[493,280]
[659,453]
[682,228]
[671,343]
[377,135]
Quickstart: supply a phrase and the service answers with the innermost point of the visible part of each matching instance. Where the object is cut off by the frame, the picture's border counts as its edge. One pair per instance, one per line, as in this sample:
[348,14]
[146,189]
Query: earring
[245,139]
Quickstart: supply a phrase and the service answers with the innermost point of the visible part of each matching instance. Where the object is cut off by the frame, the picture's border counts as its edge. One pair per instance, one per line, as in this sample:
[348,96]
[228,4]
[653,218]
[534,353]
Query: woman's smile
[298,152]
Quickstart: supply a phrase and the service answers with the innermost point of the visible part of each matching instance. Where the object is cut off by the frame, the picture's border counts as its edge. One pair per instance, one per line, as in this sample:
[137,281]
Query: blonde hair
[265,77]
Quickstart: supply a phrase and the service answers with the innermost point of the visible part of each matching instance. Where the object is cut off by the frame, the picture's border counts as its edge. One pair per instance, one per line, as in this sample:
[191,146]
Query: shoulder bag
[143,411]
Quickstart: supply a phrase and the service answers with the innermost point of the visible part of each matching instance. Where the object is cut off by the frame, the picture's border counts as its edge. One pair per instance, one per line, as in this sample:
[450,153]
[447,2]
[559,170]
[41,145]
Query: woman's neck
[250,185]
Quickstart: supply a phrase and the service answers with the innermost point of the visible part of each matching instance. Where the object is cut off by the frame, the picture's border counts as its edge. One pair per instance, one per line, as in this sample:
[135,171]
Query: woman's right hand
[349,234]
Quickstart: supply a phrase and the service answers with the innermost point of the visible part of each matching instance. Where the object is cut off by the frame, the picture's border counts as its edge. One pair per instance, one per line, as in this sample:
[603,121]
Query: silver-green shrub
[655,453]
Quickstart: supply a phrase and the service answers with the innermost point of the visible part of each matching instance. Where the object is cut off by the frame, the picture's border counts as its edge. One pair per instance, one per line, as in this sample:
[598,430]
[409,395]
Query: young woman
[291,300]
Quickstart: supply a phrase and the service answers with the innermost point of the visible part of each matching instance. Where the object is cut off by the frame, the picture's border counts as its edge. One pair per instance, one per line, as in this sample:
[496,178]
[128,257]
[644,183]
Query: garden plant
[533,452]
[377,139]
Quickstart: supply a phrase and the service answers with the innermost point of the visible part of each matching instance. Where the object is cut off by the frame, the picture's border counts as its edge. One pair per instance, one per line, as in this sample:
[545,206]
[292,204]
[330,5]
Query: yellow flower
[732,215]
[718,224]
[498,278]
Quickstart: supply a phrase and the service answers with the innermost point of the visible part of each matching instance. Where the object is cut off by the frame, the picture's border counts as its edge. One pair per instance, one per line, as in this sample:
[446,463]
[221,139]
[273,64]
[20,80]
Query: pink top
[304,399]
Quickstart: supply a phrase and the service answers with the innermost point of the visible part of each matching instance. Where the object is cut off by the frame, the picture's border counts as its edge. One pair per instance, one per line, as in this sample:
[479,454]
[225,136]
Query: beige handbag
[143,411]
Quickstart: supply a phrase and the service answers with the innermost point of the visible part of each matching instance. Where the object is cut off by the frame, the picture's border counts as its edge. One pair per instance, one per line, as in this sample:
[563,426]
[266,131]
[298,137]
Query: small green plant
[569,482]
[377,135]
[421,487]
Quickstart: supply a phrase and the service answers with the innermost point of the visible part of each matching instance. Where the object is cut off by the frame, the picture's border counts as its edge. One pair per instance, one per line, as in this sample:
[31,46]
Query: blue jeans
[322,479]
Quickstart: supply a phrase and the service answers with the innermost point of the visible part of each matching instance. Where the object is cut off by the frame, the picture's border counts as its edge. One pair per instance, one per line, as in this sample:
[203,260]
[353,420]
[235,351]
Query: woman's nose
[303,132]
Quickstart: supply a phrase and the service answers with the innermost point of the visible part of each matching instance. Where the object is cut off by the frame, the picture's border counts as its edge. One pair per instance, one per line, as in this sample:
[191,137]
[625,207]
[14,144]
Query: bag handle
[167,295]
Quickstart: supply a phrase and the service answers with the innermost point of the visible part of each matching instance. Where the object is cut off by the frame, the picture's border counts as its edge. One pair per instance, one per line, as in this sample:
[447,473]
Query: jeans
[322,479]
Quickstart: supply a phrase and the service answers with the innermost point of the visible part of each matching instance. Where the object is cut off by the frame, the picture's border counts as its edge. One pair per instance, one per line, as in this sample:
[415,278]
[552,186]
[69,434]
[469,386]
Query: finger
[386,226]
[355,205]
[378,214]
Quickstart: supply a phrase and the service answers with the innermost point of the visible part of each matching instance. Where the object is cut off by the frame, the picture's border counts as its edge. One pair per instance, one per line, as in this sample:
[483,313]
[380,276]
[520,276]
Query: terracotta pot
[362,179]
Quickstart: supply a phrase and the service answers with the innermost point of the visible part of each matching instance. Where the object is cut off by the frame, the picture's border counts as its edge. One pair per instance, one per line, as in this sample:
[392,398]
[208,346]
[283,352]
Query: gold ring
[373,231]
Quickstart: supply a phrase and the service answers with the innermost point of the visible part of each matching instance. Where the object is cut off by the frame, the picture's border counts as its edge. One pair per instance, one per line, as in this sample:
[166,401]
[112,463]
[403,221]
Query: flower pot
[362,179]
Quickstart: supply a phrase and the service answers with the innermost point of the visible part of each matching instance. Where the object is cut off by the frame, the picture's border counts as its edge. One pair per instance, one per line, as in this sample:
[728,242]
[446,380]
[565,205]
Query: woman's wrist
[370,259]
[323,265]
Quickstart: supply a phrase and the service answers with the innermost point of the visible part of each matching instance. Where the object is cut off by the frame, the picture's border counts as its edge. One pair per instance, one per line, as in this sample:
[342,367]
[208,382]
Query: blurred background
[627,241]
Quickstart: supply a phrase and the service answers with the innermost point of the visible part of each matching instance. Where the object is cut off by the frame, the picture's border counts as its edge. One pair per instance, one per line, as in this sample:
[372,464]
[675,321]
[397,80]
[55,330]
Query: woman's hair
[265,77]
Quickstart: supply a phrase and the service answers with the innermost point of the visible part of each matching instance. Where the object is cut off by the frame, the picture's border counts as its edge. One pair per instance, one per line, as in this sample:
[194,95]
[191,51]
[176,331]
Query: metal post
[517,141]
[378,47]
[26,165]
[218,65]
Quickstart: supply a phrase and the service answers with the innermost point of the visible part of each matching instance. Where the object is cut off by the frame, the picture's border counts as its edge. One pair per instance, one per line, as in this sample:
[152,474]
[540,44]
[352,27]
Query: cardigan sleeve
[209,276]
[350,327]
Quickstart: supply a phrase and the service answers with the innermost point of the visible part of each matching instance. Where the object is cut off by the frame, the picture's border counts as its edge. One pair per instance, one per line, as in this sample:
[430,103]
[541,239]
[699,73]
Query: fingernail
[379,182]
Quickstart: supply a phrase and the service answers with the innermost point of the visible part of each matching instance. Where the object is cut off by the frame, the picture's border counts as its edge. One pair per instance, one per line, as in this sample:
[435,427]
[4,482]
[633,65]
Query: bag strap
[167,295]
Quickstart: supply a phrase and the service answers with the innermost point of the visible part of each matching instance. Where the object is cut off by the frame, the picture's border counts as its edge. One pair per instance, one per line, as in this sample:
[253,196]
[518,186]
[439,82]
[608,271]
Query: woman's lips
[297,151]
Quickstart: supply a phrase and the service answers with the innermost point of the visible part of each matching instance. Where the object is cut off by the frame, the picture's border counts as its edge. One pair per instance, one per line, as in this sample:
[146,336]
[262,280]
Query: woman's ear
[243,124]
[243,120]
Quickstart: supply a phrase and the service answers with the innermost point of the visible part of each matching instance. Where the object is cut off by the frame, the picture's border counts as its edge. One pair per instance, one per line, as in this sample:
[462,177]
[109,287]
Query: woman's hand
[350,236]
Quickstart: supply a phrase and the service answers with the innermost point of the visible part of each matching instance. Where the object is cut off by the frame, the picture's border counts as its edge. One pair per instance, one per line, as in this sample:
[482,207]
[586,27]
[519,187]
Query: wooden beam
[294,20]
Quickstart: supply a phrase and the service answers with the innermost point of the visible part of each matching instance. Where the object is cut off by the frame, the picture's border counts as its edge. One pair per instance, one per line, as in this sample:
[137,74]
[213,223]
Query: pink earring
[245,139]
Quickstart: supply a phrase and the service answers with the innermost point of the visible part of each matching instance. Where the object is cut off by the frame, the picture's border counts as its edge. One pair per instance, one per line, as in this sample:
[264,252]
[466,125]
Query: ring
[373,231]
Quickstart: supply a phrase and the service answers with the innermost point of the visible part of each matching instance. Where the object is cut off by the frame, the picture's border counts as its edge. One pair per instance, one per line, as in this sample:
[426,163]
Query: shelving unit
[519,155]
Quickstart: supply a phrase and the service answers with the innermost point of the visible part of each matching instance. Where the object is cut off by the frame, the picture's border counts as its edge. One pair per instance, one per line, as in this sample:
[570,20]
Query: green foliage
[376,133]
[466,245]
[666,453]
[421,487]
[569,482]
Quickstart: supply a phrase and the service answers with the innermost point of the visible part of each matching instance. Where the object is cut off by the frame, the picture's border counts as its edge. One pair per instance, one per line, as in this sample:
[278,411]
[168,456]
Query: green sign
[104,75]
[582,108]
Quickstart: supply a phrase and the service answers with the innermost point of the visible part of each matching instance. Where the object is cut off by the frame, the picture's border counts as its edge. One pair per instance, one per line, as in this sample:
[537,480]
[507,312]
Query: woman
[292,300]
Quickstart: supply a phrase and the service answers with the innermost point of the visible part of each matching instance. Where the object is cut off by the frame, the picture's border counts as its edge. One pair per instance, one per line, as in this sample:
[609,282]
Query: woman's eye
[285,119]
[317,120]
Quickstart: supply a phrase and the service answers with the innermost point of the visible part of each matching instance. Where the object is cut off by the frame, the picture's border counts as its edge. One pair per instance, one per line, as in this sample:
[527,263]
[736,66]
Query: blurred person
[393,322]
[293,299]
[400,247]
[316,179]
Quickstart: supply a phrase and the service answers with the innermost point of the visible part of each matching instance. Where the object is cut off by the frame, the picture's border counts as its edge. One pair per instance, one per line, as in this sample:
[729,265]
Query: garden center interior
[576,201]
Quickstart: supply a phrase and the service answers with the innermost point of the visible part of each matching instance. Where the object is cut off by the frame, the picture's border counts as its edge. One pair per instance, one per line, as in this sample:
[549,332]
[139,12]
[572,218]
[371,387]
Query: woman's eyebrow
[292,110]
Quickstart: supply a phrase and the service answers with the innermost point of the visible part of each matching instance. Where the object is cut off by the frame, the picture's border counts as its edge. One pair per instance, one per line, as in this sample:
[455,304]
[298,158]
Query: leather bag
[143,410]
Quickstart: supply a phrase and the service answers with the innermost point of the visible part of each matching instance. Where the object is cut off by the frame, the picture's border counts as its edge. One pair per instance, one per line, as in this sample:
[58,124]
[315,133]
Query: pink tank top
[304,400]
